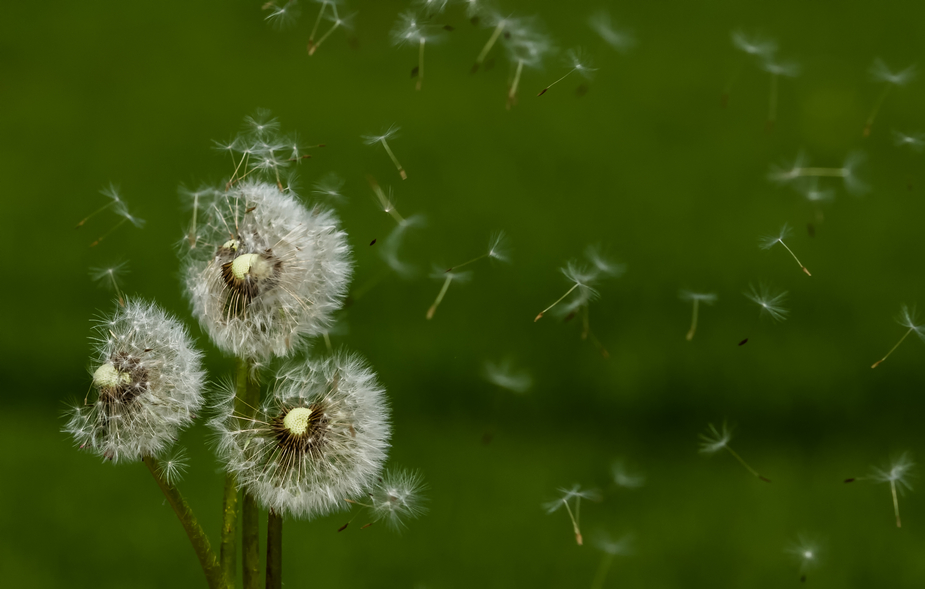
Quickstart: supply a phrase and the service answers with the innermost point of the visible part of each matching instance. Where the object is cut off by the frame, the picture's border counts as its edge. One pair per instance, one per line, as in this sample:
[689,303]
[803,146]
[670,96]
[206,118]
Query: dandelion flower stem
[274,550]
[210,565]
[895,503]
[877,105]
[690,334]
[315,46]
[512,93]
[574,518]
[401,170]
[491,41]
[893,349]
[795,258]
[446,285]
[248,399]
[540,316]
[420,65]
[602,571]
[745,464]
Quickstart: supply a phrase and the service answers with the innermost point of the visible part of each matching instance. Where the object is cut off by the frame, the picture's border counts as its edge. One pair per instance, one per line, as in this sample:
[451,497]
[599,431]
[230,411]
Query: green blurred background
[646,162]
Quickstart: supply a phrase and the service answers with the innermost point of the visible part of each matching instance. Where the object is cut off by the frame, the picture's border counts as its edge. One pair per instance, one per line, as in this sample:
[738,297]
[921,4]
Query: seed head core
[108,377]
[297,420]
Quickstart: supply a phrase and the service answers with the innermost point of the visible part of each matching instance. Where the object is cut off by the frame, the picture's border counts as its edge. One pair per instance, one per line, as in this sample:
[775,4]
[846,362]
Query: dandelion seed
[777,69]
[769,241]
[714,441]
[148,380]
[526,46]
[195,200]
[696,298]
[799,171]
[610,548]
[500,23]
[770,301]
[337,22]
[173,467]
[119,207]
[577,494]
[330,187]
[109,276]
[881,73]
[498,249]
[282,16]
[806,553]
[389,133]
[411,28]
[907,318]
[392,244]
[620,40]
[579,62]
[321,12]
[624,478]
[319,438]
[897,473]
[914,141]
[504,375]
[397,496]
[386,201]
[447,276]
[583,278]
[758,47]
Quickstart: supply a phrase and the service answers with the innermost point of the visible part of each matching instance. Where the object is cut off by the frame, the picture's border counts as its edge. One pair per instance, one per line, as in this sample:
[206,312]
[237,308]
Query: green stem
[249,389]
[197,537]
[274,550]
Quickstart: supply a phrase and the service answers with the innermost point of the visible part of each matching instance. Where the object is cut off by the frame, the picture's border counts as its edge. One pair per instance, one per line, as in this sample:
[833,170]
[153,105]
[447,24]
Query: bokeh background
[646,162]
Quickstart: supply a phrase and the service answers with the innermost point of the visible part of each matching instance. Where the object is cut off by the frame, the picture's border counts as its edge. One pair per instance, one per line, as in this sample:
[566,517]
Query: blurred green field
[646,163]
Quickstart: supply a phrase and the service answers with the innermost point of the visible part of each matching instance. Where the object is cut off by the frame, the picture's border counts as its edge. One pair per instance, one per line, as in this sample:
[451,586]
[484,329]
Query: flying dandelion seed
[806,552]
[504,375]
[777,69]
[618,39]
[798,173]
[574,493]
[498,249]
[696,298]
[109,277]
[897,472]
[907,318]
[390,133]
[770,301]
[610,548]
[118,206]
[753,46]
[914,141]
[526,46]
[714,441]
[770,241]
[447,276]
[578,62]
[337,22]
[879,72]
[624,478]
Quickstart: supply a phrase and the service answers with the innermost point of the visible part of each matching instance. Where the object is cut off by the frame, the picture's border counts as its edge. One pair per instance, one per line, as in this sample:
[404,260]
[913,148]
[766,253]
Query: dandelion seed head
[567,494]
[148,382]
[898,472]
[390,133]
[580,61]
[914,140]
[768,241]
[269,273]
[320,437]
[173,467]
[499,247]
[806,552]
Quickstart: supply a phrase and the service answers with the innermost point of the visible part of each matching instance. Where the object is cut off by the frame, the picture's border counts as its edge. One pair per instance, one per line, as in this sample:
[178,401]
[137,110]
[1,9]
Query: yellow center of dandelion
[297,420]
[242,265]
[107,376]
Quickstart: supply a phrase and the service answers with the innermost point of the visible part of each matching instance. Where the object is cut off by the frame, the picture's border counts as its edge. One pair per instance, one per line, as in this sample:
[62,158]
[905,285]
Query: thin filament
[772,103]
[108,233]
[895,504]
[574,519]
[401,170]
[433,308]
[540,316]
[311,38]
[795,258]
[893,349]
[323,37]
[420,66]
[97,211]
[491,41]
[877,105]
[469,262]
[543,91]
[690,334]
[512,93]
[745,464]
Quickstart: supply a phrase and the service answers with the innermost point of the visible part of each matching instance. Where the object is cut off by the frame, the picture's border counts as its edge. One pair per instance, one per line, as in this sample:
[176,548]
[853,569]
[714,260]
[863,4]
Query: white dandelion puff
[397,496]
[147,378]
[320,437]
[771,301]
[270,273]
